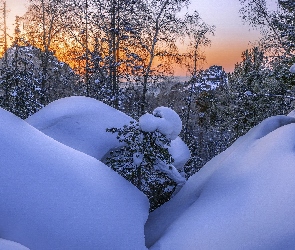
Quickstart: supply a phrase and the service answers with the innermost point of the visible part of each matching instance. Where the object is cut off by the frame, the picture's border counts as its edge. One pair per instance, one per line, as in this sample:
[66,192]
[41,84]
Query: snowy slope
[9,245]
[54,197]
[81,123]
[242,199]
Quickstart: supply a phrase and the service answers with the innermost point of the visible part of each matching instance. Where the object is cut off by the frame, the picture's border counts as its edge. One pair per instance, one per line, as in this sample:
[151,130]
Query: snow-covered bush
[144,159]
[141,148]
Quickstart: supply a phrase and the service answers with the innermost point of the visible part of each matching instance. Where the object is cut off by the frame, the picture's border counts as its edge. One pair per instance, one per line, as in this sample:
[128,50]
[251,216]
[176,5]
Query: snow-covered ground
[56,194]
[242,199]
[80,123]
[55,197]
[10,245]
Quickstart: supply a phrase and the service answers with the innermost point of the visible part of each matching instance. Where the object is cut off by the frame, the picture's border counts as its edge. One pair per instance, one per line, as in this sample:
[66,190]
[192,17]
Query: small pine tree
[139,160]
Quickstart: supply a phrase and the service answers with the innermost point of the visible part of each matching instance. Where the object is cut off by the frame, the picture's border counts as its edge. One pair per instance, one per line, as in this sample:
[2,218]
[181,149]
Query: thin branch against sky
[231,38]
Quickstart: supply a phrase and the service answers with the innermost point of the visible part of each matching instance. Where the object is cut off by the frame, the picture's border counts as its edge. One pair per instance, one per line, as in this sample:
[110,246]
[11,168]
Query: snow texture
[81,123]
[10,245]
[292,69]
[163,119]
[55,197]
[242,199]
[179,152]
[292,113]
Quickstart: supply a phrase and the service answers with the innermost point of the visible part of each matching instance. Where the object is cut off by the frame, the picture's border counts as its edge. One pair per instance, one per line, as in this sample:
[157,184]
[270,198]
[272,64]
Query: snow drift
[81,122]
[10,245]
[241,199]
[54,197]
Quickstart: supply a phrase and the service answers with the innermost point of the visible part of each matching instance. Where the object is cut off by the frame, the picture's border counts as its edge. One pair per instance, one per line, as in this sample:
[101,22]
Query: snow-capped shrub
[141,149]
[144,158]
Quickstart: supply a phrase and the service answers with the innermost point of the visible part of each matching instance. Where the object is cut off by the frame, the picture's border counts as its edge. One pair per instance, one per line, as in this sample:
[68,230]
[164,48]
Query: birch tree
[44,30]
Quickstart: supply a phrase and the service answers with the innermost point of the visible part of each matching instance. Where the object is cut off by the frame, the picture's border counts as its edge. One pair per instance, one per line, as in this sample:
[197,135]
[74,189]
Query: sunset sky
[231,35]
[231,38]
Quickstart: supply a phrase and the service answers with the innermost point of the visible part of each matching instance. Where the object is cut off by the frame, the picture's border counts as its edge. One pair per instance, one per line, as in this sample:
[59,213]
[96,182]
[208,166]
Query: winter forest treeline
[123,52]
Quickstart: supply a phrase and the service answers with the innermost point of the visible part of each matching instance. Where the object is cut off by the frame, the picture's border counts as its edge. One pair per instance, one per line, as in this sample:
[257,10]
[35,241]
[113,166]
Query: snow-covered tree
[144,158]
[256,91]
[21,80]
[19,86]
[277,26]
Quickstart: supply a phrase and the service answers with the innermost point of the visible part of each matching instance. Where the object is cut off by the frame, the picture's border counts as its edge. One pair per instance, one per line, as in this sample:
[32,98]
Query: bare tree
[44,31]
[162,28]
[113,42]
[3,28]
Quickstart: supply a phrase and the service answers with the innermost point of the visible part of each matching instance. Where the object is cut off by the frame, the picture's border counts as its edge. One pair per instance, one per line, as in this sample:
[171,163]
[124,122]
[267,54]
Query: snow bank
[81,123]
[241,199]
[54,197]
[10,245]
[163,119]
[292,69]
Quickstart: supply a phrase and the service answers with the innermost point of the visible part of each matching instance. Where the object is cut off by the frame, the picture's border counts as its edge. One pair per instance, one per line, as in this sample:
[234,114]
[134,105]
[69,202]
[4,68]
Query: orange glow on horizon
[230,40]
[221,53]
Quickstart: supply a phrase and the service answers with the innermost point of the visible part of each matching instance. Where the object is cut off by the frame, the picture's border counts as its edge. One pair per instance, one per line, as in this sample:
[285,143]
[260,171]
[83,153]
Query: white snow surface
[292,113]
[55,197]
[243,198]
[163,119]
[292,69]
[180,153]
[81,123]
[10,245]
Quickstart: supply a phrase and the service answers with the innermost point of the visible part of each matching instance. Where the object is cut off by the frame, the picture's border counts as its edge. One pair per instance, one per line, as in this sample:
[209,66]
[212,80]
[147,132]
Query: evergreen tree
[145,161]
[19,86]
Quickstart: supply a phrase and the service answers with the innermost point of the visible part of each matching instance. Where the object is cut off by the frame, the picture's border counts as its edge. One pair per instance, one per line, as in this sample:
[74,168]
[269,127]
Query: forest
[123,53]
[88,87]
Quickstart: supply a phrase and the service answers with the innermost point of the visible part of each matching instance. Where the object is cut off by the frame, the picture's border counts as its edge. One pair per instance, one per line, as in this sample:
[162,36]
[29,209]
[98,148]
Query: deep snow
[55,197]
[242,199]
[81,123]
[10,245]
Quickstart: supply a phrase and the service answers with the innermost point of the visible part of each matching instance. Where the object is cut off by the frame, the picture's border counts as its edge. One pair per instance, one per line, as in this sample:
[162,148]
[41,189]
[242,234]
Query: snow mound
[163,119]
[54,197]
[10,245]
[242,199]
[148,123]
[81,123]
[292,113]
[292,69]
